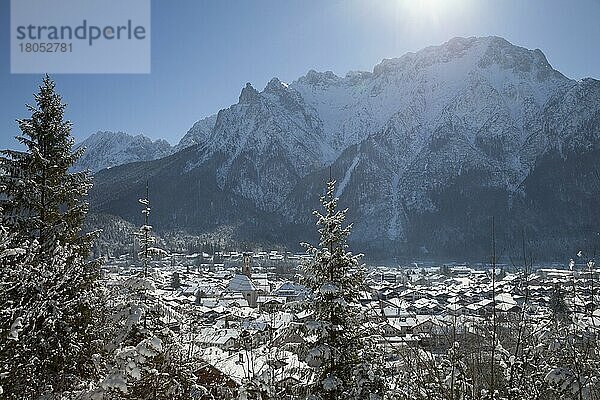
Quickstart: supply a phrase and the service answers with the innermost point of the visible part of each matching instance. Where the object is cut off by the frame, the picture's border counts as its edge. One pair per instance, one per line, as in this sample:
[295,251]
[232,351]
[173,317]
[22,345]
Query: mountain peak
[476,52]
[275,85]
[314,78]
[105,149]
[248,94]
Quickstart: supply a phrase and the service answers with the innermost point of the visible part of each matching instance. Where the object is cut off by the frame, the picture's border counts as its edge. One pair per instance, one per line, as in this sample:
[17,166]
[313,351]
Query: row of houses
[240,318]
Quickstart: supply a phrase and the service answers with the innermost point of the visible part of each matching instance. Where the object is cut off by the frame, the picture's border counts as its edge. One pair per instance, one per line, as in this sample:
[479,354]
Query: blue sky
[203,52]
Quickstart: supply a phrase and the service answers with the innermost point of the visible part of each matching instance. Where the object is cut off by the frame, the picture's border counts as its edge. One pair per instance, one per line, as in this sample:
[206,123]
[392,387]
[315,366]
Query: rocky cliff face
[425,149]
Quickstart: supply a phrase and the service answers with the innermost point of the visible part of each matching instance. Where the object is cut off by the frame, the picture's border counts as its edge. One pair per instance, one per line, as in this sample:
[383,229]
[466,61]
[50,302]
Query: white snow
[329,288]
[340,189]
[12,252]
[15,328]
[115,381]
[109,149]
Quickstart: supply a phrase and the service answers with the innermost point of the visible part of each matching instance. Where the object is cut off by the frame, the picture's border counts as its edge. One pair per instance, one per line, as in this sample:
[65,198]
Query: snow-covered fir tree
[48,296]
[44,201]
[341,350]
[145,237]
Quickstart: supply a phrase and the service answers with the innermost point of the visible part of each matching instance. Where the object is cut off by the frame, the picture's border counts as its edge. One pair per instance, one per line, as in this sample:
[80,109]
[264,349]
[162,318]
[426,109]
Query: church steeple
[246,267]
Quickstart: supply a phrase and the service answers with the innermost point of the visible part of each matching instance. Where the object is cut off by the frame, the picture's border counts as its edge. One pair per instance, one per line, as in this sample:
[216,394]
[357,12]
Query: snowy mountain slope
[308,123]
[181,199]
[109,149]
[439,188]
[427,82]
[263,144]
[466,121]
[198,133]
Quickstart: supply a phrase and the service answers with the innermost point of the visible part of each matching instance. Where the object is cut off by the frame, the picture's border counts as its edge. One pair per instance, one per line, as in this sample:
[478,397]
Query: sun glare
[424,11]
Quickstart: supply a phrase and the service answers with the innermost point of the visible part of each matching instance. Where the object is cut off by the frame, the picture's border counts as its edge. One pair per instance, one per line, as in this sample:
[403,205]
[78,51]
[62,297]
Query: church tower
[246,268]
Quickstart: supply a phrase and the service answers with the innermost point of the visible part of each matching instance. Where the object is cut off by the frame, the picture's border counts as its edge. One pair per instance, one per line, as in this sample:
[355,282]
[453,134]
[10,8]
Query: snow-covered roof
[241,283]
[217,336]
[505,298]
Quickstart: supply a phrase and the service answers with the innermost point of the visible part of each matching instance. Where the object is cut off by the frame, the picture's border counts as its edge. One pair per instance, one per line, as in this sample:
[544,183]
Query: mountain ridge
[400,139]
[106,149]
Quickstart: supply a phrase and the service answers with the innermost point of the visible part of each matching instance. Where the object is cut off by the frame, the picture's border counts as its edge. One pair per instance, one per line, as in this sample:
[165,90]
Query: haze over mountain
[425,149]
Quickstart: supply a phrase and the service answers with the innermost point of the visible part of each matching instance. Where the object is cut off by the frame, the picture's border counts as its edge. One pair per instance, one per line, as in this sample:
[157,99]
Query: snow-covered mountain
[197,133]
[109,149]
[425,148]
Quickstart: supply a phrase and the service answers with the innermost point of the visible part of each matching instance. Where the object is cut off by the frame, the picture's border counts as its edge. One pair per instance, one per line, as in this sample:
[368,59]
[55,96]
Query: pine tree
[44,201]
[342,352]
[47,292]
